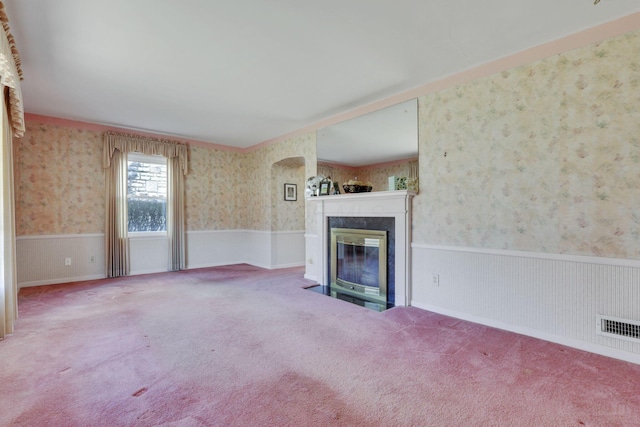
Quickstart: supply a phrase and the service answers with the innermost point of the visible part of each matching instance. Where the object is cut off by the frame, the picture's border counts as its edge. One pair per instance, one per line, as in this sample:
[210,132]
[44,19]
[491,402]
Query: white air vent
[623,329]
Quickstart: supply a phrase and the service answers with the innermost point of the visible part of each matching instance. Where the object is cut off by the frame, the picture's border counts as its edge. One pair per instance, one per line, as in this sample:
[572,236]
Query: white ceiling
[245,71]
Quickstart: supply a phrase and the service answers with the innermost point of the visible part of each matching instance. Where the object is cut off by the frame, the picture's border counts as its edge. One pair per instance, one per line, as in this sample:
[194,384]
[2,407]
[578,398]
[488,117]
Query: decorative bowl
[355,188]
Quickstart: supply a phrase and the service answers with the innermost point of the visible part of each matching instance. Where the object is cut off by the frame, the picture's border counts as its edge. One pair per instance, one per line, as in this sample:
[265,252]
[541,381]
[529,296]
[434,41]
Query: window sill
[148,235]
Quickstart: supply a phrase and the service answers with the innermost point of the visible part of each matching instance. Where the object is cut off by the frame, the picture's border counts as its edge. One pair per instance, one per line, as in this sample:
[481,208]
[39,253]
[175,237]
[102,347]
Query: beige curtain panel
[12,125]
[9,287]
[11,74]
[116,147]
[175,214]
[115,236]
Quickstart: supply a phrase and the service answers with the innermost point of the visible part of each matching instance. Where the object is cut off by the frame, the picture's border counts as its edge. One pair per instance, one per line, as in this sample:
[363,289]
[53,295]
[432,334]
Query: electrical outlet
[435,280]
[92,259]
[67,261]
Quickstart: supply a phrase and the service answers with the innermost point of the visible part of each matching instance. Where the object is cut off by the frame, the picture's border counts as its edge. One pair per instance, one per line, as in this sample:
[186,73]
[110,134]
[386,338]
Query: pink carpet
[242,346]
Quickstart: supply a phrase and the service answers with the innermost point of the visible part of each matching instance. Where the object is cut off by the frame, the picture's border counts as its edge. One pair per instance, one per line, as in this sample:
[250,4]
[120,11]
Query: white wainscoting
[287,249]
[41,259]
[266,249]
[148,254]
[257,248]
[313,263]
[547,296]
[214,248]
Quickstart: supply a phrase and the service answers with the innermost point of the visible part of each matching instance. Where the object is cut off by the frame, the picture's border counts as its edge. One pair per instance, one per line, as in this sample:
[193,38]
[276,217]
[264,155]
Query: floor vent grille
[618,328]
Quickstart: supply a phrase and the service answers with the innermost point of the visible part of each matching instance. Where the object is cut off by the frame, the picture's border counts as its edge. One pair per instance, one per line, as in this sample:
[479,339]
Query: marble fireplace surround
[393,204]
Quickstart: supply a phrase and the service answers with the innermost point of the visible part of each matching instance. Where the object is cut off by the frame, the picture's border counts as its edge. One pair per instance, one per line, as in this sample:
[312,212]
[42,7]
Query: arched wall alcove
[287,216]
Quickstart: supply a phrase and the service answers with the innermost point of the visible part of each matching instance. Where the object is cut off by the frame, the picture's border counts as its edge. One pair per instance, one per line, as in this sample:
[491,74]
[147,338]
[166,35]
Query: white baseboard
[569,342]
[553,297]
[197,266]
[61,280]
[290,265]
[41,259]
[311,277]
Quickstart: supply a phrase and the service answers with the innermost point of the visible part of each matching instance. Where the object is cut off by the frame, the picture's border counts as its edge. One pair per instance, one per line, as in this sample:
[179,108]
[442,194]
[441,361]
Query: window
[146,193]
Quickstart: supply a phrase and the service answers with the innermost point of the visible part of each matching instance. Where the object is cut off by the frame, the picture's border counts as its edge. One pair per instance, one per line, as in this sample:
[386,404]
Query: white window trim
[146,158]
[147,234]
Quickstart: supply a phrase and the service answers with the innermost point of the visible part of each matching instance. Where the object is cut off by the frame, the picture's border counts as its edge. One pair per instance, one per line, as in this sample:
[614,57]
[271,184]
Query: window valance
[133,143]
[11,74]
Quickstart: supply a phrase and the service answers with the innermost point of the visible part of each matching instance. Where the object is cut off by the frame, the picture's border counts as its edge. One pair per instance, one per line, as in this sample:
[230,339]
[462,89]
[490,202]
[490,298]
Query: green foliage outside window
[147,214]
[146,195]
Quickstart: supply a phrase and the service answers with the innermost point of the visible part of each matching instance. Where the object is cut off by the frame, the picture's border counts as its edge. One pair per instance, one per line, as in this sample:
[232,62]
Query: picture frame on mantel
[290,192]
[325,186]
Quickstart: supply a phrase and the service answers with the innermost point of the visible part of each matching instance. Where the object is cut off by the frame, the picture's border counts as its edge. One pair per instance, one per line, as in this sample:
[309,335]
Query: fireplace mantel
[395,204]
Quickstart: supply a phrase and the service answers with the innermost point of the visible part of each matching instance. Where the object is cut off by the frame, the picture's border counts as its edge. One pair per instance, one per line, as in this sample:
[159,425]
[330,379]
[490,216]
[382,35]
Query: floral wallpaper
[311,220]
[60,185]
[377,175]
[212,190]
[257,191]
[337,173]
[287,215]
[59,181]
[544,157]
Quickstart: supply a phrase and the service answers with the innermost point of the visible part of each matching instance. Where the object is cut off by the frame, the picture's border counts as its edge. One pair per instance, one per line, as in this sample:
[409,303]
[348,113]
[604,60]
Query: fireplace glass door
[359,263]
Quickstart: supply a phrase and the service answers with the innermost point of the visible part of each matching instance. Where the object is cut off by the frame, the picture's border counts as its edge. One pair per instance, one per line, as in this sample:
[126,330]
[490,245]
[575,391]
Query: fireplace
[382,210]
[359,264]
